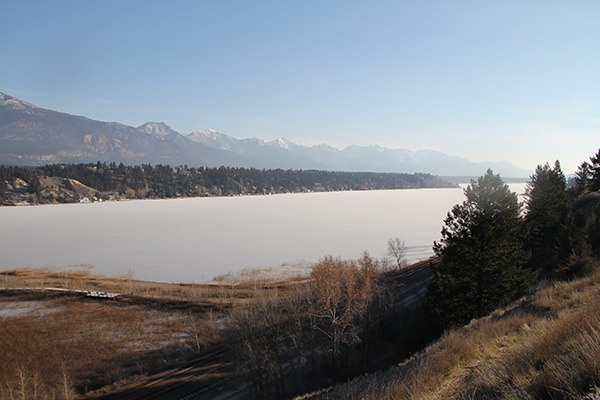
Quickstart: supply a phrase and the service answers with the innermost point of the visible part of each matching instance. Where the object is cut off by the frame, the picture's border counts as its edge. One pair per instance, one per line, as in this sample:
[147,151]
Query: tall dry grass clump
[558,359]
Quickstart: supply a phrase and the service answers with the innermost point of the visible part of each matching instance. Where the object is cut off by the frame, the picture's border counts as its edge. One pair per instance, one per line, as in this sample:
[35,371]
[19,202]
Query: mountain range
[30,135]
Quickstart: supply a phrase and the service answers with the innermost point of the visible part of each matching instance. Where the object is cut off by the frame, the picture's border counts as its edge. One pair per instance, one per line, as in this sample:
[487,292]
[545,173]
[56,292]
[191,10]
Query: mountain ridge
[31,135]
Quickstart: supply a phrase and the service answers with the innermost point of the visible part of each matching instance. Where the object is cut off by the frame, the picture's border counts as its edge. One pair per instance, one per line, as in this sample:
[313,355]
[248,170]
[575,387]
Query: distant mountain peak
[281,142]
[155,125]
[214,139]
[14,103]
[159,130]
[284,143]
[204,135]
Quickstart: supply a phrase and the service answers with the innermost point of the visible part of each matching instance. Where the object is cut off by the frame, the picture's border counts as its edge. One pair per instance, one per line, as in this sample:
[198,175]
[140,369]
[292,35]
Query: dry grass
[559,359]
[546,346]
[218,296]
[261,276]
[60,345]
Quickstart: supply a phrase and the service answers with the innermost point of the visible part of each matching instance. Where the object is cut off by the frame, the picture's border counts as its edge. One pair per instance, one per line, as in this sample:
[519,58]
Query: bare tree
[310,331]
[396,249]
[343,292]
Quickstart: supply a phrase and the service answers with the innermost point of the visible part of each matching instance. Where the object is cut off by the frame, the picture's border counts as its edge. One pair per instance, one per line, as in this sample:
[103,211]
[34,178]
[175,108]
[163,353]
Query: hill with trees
[64,183]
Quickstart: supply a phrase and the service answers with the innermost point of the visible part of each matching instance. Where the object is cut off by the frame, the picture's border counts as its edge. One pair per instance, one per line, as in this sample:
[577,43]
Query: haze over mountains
[30,135]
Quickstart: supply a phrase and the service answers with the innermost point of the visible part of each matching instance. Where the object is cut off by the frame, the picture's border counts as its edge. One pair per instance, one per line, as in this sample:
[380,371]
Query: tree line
[165,181]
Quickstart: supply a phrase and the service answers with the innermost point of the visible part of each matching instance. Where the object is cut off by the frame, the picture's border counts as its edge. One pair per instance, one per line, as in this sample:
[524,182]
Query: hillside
[546,345]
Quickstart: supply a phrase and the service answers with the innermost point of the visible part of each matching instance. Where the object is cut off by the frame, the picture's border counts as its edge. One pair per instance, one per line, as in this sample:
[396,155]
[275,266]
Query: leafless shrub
[396,250]
[342,293]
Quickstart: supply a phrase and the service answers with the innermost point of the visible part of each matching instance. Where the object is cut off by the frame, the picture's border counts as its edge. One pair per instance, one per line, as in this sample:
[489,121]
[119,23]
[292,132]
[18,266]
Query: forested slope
[112,181]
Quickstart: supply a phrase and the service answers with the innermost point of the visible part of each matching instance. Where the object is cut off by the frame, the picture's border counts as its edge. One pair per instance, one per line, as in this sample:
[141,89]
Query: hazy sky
[487,80]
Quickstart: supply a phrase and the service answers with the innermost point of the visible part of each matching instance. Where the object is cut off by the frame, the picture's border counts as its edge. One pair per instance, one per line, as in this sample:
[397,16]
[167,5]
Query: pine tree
[2,189]
[35,187]
[482,251]
[592,230]
[583,176]
[595,172]
[548,218]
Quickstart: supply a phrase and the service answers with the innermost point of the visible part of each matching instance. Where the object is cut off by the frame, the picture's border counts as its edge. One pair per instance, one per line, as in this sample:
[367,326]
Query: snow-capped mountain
[275,154]
[30,135]
[11,103]
[214,139]
[159,130]
[283,143]
[284,153]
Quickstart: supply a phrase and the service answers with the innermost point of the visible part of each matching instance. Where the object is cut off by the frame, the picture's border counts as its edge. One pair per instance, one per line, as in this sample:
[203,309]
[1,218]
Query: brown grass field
[65,345]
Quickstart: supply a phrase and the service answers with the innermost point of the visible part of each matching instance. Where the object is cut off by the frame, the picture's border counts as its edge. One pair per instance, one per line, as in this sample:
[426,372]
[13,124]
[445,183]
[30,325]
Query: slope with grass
[544,346]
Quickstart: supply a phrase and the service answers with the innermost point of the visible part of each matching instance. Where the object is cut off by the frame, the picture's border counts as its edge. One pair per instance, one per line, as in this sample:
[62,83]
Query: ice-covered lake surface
[196,239]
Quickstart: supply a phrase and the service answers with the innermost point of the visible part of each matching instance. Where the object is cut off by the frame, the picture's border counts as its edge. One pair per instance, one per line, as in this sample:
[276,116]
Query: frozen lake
[192,240]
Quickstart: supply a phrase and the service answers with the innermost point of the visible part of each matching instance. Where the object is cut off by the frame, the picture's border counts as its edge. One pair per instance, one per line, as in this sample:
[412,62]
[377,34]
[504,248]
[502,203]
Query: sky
[515,81]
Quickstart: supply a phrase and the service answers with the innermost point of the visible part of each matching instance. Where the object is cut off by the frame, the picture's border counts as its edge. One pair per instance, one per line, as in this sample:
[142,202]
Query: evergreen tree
[595,172]
[582,178]
[2,189]
[482,253]
[592,231]
[548,218]
[35,187]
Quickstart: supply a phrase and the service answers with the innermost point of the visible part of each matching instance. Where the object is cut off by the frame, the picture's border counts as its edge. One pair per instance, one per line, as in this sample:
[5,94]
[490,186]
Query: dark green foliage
[548,218]
[591,230]
[482,251]
[582,178]
[11,173]
[586,207]
[35,187]
[595,172]
[587,177]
